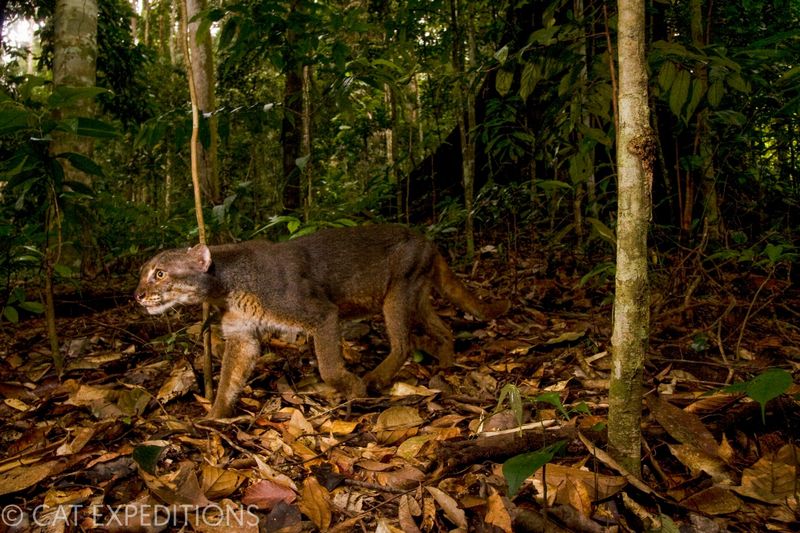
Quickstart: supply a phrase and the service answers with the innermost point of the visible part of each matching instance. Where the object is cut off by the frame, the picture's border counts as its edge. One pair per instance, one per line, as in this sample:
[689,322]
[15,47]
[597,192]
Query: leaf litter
[120,442]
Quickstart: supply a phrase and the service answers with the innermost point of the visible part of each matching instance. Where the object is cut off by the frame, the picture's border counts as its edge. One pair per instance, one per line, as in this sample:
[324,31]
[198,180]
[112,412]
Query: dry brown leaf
[177,488]
[714,500]
[23,477]
[407,510]
[339,427]
[428,513]
[450,507]
[684,427]
[82,436]
[397,423]
[712,403]
[407,477]
[17,404]
[577,495]
[773,478]
[409,448]
[315,503]
[696,460]
[266,494]
[600,486]
[180,381]
[400,389]
[497,513]
[297,425]
[54,498]
[216,482]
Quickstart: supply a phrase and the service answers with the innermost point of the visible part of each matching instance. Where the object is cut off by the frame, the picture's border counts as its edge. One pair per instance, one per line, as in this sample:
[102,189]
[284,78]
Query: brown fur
[310,284]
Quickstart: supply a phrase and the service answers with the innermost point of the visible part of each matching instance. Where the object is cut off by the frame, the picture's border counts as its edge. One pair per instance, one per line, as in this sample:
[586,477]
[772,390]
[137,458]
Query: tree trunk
[307,168]
[202,58]
[712,220]
[74,65]
[466,117]
[636,148]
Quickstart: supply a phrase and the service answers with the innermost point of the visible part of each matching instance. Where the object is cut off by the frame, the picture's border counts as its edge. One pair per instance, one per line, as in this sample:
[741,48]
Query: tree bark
[636,148]
[75,65]
[202,59]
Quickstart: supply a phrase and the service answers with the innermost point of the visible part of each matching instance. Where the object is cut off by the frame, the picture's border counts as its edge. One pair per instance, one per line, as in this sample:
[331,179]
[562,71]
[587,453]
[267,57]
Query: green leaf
[679,92]
[146,456]
[65,95]
[553,399]
[774,252]
[32,307]
[697,95]
[502,54]
[715,93]
[768,385]
[519,468]
[82,163]
[736,82]
[13,119]
[667,75]
[531,75]
[91,127]
[511,393]
[503,81]
[549,185]
[11,314]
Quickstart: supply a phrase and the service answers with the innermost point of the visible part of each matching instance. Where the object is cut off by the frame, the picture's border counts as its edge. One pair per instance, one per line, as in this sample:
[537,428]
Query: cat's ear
[201,256]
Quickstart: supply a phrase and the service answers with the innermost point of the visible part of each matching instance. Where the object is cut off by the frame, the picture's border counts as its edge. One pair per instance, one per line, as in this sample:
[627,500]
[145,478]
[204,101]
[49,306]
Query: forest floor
[120,441]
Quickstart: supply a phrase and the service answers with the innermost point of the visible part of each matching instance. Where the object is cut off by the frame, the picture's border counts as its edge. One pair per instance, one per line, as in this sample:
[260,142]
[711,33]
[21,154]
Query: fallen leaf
[267,494]
[714,500]
[407,510]
[216,482]
[773,478]
[315,503]
[685,427]
[400,389]
[397,423]
[697,460]
[497,514]
[180,381]
[450,507]
[22,477]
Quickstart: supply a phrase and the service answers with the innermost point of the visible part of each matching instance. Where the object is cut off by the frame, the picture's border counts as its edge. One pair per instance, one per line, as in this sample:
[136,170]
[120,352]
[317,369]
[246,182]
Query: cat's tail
[449,286]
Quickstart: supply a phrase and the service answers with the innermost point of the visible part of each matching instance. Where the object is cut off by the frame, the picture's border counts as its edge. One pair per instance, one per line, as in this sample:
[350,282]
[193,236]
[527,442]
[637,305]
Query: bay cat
[311,283]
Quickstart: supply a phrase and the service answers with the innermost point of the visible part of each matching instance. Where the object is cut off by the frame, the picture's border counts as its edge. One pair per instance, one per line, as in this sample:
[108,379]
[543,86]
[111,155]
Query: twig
[749,309]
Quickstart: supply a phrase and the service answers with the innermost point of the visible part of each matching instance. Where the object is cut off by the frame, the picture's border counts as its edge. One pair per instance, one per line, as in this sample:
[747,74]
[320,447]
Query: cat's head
[174,277]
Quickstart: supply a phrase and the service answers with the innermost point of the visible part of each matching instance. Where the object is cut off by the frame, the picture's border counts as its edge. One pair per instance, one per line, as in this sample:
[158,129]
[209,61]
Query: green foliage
[18,301]
[764,387]
[520,467]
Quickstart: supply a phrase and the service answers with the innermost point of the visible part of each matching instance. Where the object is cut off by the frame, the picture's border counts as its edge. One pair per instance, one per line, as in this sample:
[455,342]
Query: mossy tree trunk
[635,158]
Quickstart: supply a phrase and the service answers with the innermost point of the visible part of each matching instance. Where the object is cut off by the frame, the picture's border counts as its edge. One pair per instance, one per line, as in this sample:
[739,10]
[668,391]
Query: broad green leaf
[13,119]
[774,252]
[519,468]
[736,82]
[301,162]
[503,81]
[90,127]
[715,93]
[549,185]
[679,92]
[11,314]
[146,456]
[768,385]
[697,95]
[553,399]
[531,75]
[82,163]
[502,54]
[666,76]
[764,387]
[32,307]
[65,95]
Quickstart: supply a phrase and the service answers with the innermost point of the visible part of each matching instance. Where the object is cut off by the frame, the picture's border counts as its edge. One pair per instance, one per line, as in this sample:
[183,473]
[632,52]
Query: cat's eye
[160,274]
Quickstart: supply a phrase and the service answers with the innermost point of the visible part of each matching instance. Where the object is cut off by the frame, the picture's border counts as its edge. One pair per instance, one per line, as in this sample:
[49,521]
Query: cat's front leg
[242,349]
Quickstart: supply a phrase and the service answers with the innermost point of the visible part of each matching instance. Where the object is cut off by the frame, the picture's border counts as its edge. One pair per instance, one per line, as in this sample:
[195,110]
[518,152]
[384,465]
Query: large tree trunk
[202,58]
[635,160]
[75,65]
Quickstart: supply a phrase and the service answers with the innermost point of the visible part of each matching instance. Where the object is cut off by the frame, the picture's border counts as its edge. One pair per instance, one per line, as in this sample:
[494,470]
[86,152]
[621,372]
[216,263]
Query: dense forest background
[450,115]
